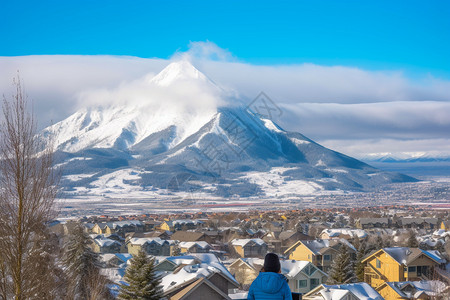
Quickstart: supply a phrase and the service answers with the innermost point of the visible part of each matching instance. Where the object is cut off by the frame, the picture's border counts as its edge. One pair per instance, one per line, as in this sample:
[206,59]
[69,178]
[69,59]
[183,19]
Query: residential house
[195,247]
[181,225]
[190,236]
[413,290]
[119,227]
[278,242]
[352,291]
[249,247]
[105,245]
[115,260]
[365,223]
[152,246]
[422,223]
[400,264]
[343,233]
[173,262]
[151,225]
[445,225]
[105,228]
[302,276]
[176,285]
[245,270]
[198,289]
[319,252]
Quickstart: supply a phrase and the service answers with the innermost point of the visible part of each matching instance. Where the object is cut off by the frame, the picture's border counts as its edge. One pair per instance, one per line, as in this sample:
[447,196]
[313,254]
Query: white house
[303,276]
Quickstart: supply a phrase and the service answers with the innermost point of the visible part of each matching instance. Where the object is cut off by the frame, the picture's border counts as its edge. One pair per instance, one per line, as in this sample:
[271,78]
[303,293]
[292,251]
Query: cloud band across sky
[349,109]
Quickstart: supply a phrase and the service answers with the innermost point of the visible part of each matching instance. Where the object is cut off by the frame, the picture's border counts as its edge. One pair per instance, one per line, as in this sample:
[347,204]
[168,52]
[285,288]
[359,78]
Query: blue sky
[412,36]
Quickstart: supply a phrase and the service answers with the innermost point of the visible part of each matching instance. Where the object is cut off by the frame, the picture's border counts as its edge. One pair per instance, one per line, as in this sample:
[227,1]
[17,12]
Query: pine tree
[359,266]
[412,240]
[142,282]
[342,268]
[82,267]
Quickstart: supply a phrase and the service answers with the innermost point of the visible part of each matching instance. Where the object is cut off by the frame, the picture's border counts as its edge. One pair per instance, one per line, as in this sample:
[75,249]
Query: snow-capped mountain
[183,138]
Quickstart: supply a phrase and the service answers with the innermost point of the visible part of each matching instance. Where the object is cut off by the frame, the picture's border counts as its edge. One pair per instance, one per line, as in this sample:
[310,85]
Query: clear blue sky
[409,35]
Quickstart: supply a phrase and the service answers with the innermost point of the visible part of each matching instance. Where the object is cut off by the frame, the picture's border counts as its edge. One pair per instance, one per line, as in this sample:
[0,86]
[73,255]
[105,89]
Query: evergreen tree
[82,267]
[412,240]
[359,266]
[379,244]
[342,268]
[142,282]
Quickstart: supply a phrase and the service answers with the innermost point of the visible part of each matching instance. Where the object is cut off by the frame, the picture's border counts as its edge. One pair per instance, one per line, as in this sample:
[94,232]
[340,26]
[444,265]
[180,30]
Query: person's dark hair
[272,263]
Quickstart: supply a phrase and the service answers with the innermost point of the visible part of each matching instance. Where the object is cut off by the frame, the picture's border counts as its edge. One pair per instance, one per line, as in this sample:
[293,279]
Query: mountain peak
[179,70]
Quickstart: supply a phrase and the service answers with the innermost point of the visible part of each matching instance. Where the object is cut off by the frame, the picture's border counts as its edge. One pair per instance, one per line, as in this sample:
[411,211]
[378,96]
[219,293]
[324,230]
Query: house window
[309,256]
[412,269]
[309,270]
[378,263]
[327,257]
[302,283]
[314,282]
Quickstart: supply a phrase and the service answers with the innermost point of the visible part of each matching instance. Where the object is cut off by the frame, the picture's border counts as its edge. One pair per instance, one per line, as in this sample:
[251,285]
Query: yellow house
[320,253]
[245,270]
[412,289]
[167,226]
[400,264]
[103,228]
[445,225]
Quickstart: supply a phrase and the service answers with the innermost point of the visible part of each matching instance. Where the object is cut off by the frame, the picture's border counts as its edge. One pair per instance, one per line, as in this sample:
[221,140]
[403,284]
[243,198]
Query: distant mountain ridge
[223,150]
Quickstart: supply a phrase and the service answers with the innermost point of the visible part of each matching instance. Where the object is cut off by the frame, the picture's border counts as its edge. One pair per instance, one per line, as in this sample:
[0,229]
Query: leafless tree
[27,193]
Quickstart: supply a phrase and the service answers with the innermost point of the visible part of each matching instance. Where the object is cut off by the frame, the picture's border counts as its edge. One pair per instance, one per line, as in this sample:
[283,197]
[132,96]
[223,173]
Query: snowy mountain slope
[154,148]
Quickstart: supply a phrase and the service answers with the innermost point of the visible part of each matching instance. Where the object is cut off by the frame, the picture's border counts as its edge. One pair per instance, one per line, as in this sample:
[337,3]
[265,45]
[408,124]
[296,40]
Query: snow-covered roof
[441,233]
[200,244]
[185,222]
[106,242]
[404,255]
[185,260]
[243,242]
[142,241]
[291,268]
[318,245]
[361,290]
[254,262]
[208,266]
[429,287]
[345,231]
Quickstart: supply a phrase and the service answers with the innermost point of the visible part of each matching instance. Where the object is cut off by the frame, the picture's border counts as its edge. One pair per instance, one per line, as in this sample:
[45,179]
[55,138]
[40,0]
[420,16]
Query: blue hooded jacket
[270,286]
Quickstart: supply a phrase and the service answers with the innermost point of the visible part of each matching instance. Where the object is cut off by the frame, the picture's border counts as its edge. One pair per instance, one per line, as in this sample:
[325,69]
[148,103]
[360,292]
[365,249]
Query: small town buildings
[115,260]
[427,290]
[191,236]
[343,233]
[249,247]
[445,225]
[421,223]
[302,276]
[400,264]
[181,284]
[194,247]
[245,270]
[319,252]
[105,245]
[181,225]
[353,291]
[365,223]
[151,246]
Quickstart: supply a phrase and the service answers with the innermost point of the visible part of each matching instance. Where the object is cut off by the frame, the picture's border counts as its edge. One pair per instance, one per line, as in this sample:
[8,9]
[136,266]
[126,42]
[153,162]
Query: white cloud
[334,105]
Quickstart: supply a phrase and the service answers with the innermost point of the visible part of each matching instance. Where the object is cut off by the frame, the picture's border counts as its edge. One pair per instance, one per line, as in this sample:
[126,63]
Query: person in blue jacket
[270,283]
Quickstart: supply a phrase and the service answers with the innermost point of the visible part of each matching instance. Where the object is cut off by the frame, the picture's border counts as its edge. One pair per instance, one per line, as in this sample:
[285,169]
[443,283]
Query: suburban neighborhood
[391,252]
